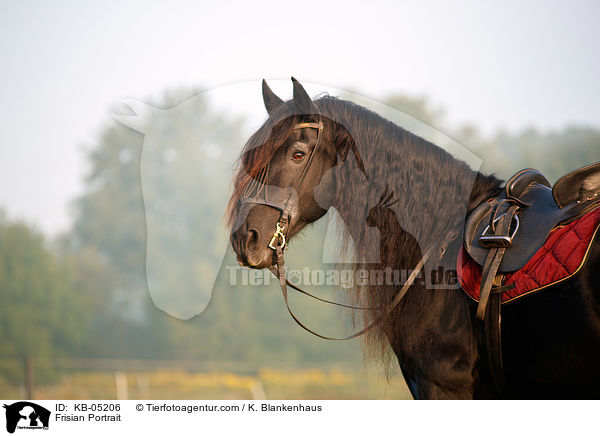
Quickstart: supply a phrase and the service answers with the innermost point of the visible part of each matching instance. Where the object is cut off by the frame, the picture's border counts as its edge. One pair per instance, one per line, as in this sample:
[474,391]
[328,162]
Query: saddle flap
[535,223]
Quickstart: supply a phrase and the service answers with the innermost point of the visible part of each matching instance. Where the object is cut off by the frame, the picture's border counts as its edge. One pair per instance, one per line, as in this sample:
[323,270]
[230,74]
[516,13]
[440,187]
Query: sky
[64,65]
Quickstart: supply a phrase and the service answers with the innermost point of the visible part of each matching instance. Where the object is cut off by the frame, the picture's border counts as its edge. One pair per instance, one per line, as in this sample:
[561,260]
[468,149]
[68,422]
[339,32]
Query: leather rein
[278,243]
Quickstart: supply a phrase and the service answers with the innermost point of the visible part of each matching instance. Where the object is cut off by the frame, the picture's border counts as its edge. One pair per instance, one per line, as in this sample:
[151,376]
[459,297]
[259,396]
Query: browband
[318,125]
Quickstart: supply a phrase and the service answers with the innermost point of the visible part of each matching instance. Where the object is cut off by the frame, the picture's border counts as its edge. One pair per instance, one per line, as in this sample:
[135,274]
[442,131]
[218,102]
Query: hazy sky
[507,64]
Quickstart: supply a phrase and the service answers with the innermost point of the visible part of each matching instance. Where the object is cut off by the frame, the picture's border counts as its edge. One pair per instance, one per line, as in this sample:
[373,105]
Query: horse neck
[431,191]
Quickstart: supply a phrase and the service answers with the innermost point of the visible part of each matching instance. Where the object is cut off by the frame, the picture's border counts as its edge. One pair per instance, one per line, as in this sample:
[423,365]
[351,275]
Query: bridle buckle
[278,237]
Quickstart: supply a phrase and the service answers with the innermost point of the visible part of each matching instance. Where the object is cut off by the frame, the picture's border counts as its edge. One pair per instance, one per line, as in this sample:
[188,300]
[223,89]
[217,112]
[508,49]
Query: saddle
[505,232]
[539,209]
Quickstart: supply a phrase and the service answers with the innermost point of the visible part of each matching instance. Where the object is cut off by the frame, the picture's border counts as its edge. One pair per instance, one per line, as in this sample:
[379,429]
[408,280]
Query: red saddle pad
[564,253]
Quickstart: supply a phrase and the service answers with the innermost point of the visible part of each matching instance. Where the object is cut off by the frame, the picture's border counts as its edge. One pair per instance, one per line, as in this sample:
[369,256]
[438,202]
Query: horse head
[284,183]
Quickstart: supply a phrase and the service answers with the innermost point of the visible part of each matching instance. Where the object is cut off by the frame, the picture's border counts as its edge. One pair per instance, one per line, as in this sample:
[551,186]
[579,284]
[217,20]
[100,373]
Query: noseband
[278,242]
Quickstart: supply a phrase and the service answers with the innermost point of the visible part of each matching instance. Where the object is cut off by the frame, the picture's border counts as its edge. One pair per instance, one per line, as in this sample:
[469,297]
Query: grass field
[266,383]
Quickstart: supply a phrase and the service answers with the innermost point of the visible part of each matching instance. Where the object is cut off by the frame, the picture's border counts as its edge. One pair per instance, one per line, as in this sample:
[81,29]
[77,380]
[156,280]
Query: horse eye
[298,155]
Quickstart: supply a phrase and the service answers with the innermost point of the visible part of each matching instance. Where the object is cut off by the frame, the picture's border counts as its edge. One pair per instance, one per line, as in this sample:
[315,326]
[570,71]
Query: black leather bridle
[287,209]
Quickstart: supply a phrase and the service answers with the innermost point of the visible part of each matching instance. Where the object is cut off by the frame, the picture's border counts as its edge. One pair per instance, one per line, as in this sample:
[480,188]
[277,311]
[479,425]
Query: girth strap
[493,342]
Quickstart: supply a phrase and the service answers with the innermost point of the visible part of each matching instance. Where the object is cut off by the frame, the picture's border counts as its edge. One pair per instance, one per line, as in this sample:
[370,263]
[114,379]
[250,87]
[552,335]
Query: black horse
[551,340]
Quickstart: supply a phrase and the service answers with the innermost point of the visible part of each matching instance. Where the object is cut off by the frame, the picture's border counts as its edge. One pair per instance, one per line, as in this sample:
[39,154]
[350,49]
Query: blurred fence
[97,378]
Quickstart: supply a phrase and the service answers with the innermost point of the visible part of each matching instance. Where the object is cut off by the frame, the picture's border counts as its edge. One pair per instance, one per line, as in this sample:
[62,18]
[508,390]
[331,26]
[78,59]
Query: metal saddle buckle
[498,241]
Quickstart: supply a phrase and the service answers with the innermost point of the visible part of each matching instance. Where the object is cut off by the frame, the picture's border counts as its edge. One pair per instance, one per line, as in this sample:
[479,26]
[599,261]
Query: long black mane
[416,193]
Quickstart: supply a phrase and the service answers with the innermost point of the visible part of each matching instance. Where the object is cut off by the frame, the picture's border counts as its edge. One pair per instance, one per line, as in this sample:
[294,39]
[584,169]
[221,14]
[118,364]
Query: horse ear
[269,97]
[302,99]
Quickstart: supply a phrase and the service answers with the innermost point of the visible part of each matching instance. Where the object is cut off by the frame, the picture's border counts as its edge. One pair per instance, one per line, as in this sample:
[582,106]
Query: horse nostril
[252,238]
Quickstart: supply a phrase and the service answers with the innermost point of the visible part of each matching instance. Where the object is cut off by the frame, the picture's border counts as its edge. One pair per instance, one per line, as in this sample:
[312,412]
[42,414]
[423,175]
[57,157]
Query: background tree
[242,322]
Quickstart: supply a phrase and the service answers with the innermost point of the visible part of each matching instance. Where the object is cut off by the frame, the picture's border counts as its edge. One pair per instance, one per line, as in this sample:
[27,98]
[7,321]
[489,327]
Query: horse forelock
[257,153]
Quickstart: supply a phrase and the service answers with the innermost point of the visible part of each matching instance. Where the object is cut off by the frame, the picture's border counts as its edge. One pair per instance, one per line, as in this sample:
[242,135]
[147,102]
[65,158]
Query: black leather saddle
[540,209]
